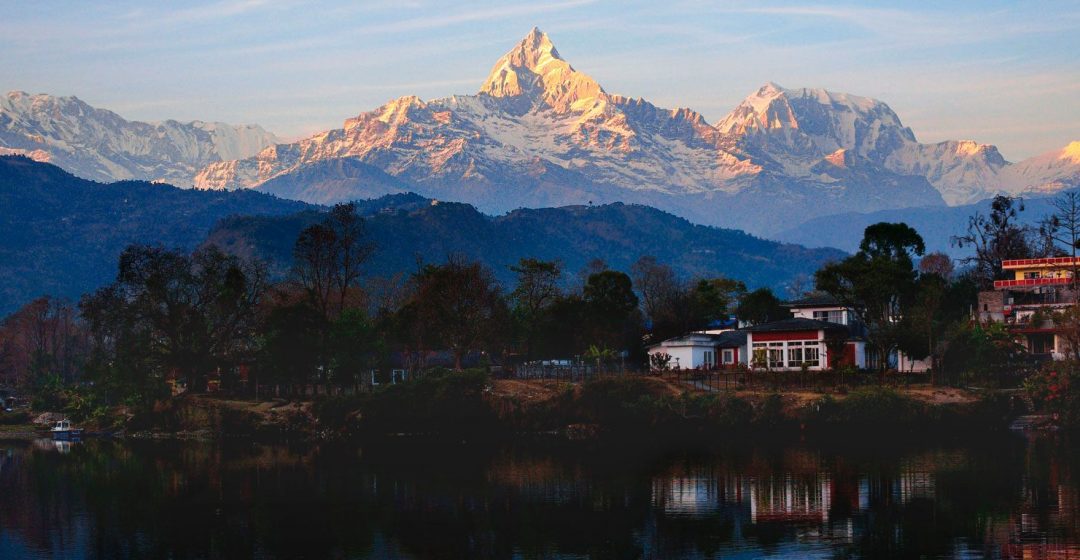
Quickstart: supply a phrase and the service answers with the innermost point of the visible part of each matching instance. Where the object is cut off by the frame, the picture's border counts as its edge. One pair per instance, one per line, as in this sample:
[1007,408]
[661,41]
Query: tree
[1063,227]
[613,315]
[169,312]
[937,263]
[354,346]
[536,290]
[877,282]
[292,343]
[460,306]
[995,238]
[1067,323]
[314,260]
[761,306]
[657,285]
[43,339]
[714,297]
[353,248]
[328,257]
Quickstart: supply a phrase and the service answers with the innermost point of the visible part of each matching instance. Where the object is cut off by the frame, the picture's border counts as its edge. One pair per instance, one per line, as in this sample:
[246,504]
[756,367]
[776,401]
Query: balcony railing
[1030,282]
[1046,262]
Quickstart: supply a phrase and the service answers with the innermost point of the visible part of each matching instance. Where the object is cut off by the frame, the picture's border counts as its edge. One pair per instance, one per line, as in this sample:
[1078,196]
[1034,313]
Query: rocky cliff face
[100,145]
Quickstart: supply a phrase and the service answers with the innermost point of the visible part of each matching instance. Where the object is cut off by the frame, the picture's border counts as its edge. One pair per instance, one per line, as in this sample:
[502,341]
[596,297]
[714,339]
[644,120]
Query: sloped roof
[726,339]
[816,299]
[731,339]
[797,324]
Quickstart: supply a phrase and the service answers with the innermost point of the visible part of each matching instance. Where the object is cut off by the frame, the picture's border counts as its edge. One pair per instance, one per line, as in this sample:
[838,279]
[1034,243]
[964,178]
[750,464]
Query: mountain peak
[1071,152]
[534,70]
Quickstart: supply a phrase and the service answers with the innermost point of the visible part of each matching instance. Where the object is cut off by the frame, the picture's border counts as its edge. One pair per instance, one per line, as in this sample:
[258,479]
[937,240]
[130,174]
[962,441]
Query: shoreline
[473,407]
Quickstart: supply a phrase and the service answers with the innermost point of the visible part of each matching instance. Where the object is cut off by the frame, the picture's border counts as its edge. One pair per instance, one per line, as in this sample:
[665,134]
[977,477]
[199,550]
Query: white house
[793,343]
[824,307]
[704,350]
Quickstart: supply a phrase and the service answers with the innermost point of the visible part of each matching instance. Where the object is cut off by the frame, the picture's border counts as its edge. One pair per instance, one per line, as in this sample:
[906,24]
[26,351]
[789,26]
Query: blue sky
[1005,73]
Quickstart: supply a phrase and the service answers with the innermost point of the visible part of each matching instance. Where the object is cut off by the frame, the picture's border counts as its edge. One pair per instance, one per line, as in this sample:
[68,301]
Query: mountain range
[61,235]
[541,133]
[100,145]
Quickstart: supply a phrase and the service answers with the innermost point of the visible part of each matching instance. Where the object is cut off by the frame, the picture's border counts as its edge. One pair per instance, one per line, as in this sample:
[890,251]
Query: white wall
[689,357]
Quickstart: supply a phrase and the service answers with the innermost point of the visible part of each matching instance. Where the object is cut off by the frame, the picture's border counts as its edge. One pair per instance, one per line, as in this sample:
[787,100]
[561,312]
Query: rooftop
[1040,263]
[797,324]
[816,299]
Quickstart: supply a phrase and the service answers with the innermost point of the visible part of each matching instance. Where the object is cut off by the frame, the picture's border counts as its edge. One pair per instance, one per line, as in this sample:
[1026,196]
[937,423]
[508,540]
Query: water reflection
[1007,498]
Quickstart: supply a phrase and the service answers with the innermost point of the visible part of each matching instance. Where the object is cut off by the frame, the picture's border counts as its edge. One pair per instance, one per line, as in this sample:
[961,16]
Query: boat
[63,429]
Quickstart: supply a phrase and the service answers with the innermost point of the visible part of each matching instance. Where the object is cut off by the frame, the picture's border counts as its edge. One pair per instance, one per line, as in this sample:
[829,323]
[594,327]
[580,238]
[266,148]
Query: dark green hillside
[406,232]
[61,235]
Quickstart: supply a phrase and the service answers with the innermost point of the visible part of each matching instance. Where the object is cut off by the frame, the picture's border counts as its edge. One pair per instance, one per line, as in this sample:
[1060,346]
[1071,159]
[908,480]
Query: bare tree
[1063,227]
[995,238]
[657,285]
[328,258]
[937,263]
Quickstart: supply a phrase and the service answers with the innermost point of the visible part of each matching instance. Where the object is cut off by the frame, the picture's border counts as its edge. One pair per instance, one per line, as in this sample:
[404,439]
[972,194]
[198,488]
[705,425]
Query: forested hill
[407,230]
[61,235]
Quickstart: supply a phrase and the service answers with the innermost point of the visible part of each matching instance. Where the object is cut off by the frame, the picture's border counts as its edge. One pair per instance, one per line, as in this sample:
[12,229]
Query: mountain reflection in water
[1006,498]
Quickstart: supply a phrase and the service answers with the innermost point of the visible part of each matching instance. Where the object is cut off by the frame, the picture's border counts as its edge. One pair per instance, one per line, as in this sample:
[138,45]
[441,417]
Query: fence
[714,380]
[569,372]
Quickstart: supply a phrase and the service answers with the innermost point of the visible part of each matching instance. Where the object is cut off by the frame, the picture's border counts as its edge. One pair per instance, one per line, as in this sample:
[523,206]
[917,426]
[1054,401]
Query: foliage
[43,339]
[659,361]
[460,307]
[984,354]
[536,291]
[1055,389]
[878,283]
[169,313]
[328,256]
[760,306]
[995,238]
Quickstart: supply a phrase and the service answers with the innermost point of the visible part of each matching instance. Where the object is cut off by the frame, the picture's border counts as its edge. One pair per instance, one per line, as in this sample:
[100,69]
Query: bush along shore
[470,405]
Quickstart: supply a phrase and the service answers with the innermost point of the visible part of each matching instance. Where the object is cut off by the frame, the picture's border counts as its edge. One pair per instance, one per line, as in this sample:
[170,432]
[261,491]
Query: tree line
[174,315]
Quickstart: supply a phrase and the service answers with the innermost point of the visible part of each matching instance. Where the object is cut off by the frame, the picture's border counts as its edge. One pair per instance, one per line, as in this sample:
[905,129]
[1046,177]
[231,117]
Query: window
[710,359]
[833,316]
[1032,275]
[776,354]
[729,356]
[812,355]
[795,354]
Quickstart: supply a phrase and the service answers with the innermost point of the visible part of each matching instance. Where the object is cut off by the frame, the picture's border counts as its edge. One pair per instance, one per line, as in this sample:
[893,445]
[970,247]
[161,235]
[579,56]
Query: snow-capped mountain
[100,145]
[540,132]
[1049,172]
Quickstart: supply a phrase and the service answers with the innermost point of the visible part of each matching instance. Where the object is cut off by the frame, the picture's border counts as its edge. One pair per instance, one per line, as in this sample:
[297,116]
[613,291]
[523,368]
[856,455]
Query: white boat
[63,429]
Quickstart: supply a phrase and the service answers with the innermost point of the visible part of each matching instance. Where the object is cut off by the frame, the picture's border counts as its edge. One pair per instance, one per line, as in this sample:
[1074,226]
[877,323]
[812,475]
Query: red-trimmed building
[788,344]
[1026,302]
[793,343]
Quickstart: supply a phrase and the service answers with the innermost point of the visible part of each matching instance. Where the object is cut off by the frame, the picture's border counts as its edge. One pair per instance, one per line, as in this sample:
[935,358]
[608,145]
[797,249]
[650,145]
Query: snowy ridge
[540,132]
[101,145]
[535,111]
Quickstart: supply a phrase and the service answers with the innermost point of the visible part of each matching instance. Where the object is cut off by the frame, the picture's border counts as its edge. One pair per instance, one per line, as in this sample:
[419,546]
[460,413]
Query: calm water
[1006,498]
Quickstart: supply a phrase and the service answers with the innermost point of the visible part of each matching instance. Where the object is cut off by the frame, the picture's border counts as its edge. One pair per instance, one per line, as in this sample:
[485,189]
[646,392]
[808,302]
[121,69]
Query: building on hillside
[1026,302]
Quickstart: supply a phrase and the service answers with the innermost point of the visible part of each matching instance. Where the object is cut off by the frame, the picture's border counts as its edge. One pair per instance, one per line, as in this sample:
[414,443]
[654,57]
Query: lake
[1007,497]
